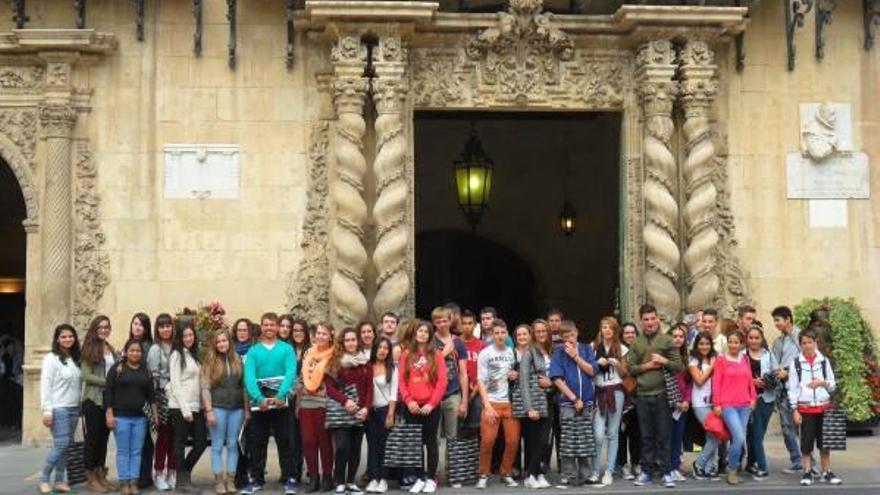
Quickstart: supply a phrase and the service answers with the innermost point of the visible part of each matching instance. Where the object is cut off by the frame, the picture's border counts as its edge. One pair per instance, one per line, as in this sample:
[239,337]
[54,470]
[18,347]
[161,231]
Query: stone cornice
[84,41]
[370,11]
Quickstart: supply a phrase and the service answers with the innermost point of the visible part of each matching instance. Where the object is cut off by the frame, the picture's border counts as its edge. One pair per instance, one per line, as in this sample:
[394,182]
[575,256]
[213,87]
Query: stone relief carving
[20,127]
[820,136]
[698,89]
[733,290]
[91,266]
[658,91]
[58,73]
[308,293]
[21,77]
[17,142]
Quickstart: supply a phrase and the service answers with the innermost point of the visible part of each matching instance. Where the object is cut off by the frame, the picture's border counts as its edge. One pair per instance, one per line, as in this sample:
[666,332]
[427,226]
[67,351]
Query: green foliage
[853,354]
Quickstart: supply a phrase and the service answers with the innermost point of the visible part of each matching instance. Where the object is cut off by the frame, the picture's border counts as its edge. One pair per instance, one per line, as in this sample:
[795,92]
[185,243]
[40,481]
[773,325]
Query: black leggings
[97,434]
[631,438]
[347,458]
[198,429]
[535,435]
[430,424]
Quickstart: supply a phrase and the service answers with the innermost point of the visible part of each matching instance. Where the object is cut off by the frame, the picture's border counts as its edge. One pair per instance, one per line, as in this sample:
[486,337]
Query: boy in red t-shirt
[467,323]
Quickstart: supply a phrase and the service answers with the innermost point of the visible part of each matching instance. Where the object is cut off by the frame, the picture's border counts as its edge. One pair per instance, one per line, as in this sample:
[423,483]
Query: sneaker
[644,479]
[509,481]
[806,479]
[382,486]
[542,482]
[340,490]
[530,482]
[371,486]
[713,476]
[793,469]
[732,477]
[696,472]
[831,478]
[759,475]
[353,489]
[455,485]
[171,478]
[752,469]
[251,488]
[481,483]
[593,479]
[668,481]
[161,483]
[418,486]
[290,487]
[627,473]
[607,478]
[430,486]
[677,476]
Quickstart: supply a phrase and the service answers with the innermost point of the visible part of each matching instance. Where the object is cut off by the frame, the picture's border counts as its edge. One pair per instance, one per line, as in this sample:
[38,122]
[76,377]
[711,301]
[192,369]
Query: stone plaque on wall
[841,176]
[202,171]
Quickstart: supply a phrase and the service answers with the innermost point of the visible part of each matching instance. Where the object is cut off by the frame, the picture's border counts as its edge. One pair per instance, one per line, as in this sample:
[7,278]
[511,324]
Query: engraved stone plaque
[202,171]
[843,175]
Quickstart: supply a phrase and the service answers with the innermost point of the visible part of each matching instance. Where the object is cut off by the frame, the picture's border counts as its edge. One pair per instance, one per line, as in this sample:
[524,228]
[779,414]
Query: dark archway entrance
[13,244]
[518,259]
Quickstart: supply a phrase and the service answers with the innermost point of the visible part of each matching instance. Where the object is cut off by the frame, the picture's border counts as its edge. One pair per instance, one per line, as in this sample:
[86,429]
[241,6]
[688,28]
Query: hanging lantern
[567,218]
[473,178]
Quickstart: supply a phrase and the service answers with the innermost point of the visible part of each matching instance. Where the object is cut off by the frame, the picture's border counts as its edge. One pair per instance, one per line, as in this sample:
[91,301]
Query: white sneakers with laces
[418,486]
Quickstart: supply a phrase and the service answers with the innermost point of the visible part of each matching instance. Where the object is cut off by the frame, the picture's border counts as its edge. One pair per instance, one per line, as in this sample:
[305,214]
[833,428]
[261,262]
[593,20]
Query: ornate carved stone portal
[678,238]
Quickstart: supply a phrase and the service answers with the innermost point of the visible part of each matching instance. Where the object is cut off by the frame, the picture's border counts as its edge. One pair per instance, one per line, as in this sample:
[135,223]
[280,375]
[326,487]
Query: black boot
[314,484]
[327,484]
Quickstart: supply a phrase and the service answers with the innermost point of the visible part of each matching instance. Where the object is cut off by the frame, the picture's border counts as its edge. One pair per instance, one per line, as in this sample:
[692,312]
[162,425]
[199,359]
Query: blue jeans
[789,432]
[63,425]
[129,434]
[737,420]
[706,459]
[757,430]
[225,432]
[678,427]
[606,429]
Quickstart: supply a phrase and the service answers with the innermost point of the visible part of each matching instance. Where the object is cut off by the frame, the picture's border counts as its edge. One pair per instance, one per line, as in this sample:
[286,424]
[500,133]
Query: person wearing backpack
[810,385]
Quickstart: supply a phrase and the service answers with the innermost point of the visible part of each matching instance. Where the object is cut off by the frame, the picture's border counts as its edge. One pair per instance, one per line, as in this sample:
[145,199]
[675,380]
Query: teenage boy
[268,361]
[454,318]
[572,367]
[495,370]
[554,324]
[473,346]
[786,349]
[745,318]
[484,329]
[709,323]
[388,321]
[650,354]
[454,404]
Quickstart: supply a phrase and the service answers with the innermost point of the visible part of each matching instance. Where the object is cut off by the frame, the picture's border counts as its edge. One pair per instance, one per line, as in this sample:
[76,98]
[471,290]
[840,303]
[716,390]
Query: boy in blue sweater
[270,359]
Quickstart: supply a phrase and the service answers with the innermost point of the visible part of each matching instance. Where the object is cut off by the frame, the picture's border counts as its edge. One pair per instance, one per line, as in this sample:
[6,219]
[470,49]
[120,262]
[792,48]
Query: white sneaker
[627,473]
[430,486]
[172,480]
[481,483]
[340,490]
[530,482]
[509,481]
[455,485]
[371,487]
[418,486]
[160,482]
[542,482]
[607,478]
[382,486]
[677,476]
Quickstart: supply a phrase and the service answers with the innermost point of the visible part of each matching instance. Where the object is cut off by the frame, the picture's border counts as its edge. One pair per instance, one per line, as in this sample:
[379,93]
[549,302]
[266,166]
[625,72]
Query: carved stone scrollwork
[21,77]
[734,290]
[57,120]
[392,188]
[698,89]
[348,302]
[20,127]
[308,294]
[657,92]
[91,265]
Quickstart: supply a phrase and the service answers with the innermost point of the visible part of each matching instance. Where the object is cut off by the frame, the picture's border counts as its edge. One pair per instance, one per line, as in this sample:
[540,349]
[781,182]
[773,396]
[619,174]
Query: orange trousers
[489,433]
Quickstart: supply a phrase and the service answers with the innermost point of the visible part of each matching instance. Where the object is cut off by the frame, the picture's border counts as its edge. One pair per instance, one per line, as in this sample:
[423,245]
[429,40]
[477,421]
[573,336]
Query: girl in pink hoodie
[733,398]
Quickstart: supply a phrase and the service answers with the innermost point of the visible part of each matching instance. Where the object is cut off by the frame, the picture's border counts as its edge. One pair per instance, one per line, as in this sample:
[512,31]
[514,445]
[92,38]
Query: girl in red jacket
[422,385]
[733,398]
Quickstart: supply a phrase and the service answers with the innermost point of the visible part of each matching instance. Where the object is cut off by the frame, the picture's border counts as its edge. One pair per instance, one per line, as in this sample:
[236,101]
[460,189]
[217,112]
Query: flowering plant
[207,319]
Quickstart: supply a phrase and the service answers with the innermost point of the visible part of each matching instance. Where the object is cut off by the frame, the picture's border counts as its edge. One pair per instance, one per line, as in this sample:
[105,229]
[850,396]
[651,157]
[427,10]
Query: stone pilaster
[698,89]
[655,69]
[349,255]
[392,188]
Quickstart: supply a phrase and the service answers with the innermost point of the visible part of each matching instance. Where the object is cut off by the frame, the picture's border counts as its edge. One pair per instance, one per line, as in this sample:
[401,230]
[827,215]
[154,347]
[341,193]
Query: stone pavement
[859,466]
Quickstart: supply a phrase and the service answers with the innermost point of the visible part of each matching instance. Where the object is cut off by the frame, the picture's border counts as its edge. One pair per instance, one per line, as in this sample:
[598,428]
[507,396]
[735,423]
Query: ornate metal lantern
[473,178]
[567,218]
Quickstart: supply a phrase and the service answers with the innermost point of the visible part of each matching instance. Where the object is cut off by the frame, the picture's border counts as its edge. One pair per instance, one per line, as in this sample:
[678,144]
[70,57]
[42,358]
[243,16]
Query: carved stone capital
[698,84]
[656,53]
[348,49]
[349,94]
[57,120]
[389,94]
[391,49]
[657,96]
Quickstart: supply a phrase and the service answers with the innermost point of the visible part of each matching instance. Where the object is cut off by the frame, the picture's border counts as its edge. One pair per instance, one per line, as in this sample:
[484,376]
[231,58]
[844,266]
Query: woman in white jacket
[59,400]
[810,384]
[184,402]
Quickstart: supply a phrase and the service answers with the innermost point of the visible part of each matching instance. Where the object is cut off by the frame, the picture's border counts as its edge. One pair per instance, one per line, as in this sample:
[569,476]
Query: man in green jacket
[650,354]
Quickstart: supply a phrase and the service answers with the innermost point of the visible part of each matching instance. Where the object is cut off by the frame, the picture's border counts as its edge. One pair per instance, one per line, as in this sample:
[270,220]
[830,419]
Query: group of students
[531,391]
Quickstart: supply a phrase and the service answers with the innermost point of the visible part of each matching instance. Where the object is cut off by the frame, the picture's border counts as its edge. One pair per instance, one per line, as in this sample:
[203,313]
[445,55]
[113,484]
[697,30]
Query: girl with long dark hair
[733,399]
[381,417]
[764,376]
[185,402]
[682,408]
[98,356]
[629,438]
[544,345]
[367,334]
[140,331]
[158,361]
[59,402]
[129,390]
[701,366]
[610,352]
[530,410]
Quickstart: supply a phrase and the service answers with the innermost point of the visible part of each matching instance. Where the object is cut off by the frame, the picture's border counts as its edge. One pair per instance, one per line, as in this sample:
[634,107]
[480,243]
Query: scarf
[354,360]
[315,364]
[241,348]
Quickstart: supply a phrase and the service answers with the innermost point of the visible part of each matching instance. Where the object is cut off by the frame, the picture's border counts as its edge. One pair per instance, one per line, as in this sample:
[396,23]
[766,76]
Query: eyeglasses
[104,327]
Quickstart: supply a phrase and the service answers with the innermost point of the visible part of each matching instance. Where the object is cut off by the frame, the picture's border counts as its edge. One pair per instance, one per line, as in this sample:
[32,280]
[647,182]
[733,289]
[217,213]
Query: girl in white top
[700,367]
[610,352]
[381,417]
[59,401]
[184,401]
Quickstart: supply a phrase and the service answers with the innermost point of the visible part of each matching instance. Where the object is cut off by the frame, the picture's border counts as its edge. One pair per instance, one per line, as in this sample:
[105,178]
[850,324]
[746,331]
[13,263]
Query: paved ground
[859,467]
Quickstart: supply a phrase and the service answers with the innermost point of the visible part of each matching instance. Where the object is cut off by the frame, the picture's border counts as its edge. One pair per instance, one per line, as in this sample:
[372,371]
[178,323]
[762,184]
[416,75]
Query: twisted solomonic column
[657,91]
[698,88]
[392,192]
[348,303]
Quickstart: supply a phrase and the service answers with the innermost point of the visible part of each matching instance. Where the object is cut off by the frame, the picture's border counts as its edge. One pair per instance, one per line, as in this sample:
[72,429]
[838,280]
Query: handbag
[673,394]
[715,425]
[577,438]
[834,428]
[402,440]
[462,458]
[337,416]
[76,466]
[538,396]
[629,384]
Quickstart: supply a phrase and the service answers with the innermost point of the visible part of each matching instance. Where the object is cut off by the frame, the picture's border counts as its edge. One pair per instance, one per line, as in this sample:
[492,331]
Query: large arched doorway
[13,244]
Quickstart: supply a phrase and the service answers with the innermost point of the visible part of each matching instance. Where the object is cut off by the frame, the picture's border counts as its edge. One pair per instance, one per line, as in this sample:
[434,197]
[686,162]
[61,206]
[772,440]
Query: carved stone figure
[820,138]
